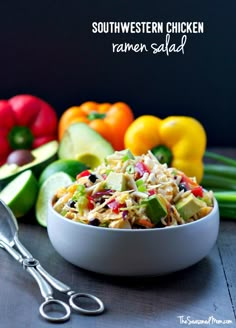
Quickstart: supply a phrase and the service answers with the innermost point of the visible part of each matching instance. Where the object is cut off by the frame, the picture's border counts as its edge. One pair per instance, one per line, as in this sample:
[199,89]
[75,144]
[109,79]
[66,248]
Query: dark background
[47,49]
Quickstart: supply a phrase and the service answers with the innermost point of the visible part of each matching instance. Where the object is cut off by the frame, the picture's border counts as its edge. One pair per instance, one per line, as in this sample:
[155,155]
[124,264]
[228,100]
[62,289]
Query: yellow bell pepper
[179,141]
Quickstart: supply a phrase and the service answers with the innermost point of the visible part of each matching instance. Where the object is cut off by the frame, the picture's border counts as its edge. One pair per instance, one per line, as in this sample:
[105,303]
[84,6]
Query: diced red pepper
[104,176]
[83,174]
[114,206]
[140,169]
[151,192]
[90,203]
[189,182]
[197,191]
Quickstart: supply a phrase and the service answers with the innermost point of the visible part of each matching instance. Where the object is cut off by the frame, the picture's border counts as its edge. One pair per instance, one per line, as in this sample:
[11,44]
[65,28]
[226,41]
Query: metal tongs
[9,240]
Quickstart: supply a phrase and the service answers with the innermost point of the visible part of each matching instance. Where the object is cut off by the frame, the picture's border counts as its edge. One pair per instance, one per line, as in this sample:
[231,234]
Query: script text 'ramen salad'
[133,192]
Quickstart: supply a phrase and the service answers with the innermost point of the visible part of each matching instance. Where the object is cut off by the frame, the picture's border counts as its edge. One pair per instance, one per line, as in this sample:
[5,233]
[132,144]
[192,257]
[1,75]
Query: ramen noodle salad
[133,192]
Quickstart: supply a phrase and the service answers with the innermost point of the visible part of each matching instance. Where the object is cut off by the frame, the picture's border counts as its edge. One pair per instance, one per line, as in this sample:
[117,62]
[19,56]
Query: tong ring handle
[63,309]
[99,309]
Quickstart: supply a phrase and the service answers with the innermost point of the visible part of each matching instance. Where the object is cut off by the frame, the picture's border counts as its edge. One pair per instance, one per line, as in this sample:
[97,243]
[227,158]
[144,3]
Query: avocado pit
[20,157]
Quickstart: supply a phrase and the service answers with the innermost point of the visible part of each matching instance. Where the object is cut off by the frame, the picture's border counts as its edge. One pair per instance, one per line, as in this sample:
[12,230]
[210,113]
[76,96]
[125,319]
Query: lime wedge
[69,166]
[21,193]
[46,192]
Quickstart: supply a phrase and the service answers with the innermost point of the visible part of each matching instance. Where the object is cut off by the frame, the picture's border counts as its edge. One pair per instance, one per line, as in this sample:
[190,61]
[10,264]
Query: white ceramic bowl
[133,252]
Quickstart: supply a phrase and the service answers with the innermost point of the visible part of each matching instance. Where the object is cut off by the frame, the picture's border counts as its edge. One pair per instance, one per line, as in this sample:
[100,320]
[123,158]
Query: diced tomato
[83,174]
[197,191]
[140,169]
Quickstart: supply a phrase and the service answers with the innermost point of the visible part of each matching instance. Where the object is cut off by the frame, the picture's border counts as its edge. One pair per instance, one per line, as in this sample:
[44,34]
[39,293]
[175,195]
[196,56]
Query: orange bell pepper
[109,120]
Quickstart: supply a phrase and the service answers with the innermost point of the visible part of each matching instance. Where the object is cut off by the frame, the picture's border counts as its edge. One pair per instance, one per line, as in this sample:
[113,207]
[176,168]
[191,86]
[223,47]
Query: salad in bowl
[133,192]
[132,216]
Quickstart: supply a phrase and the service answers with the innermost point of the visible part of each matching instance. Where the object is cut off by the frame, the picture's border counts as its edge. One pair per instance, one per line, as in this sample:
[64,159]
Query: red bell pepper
[190,184]
[195,188]
[83,174]
[140,169]
[91,204]
[26,122]
[197,191]
[114,206]
[151,192]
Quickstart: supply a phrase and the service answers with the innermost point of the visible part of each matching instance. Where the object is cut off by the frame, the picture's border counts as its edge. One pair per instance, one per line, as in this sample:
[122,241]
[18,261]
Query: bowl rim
[214,211]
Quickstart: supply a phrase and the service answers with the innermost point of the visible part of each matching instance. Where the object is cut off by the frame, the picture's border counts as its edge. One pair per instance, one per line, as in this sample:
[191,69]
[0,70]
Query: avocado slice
[189,206]
[116,181]
[84,144]
[155,209]
[43,156]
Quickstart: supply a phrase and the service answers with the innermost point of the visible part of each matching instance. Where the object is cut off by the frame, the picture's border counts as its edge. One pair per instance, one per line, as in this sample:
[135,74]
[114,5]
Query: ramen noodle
[133,192]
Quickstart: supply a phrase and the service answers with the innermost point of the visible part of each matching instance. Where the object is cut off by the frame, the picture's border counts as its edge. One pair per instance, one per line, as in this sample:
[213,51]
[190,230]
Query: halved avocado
[43,156]
[84,144]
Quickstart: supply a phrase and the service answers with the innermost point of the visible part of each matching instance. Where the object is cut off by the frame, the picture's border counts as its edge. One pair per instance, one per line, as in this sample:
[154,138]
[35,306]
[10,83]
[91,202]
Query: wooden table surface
[205,291]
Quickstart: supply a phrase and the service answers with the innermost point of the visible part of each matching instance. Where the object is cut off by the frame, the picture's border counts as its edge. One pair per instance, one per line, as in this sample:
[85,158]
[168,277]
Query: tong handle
[45,288]
[16,255]
[60,286]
